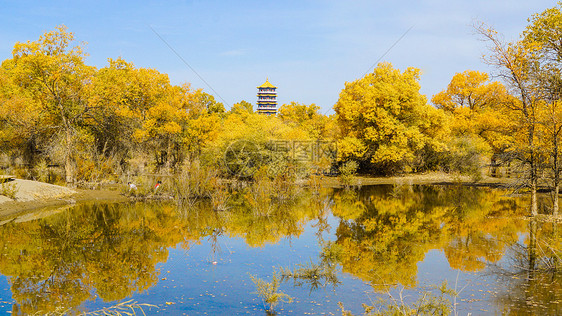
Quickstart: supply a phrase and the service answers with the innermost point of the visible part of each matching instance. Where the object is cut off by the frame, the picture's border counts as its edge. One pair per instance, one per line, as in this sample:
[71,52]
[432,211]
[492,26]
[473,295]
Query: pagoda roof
[267,85]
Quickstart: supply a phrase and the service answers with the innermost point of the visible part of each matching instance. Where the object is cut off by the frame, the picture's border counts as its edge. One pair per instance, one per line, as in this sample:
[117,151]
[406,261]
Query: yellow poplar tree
[515,62]
[385,120]
[475,107]
[51,71]
[544,32]
[305,116]
[241,107]
[113,121]
[19,119]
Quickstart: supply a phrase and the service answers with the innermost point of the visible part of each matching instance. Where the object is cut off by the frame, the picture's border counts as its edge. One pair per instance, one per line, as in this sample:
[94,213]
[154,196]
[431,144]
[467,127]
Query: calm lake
[377,242]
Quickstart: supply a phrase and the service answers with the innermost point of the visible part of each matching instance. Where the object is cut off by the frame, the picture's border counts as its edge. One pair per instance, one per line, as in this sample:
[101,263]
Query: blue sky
[308,49]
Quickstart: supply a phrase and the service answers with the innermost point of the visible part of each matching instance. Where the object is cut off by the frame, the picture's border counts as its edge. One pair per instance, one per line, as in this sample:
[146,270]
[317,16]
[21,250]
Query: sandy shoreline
[32,196]
[426,178]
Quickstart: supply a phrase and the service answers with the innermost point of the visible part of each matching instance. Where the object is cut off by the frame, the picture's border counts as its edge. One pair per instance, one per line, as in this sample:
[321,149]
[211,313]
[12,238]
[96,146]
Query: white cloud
[234,52]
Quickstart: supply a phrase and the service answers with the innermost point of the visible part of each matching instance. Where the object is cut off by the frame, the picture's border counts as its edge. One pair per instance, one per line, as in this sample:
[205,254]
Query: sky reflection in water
[381,239]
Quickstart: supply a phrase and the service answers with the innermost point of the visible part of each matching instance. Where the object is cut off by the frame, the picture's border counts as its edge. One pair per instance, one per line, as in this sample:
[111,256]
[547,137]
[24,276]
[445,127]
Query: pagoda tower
[267,99]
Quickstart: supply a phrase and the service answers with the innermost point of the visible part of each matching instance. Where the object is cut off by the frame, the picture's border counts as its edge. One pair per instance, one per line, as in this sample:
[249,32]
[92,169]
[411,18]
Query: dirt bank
[425,178]
[34,195]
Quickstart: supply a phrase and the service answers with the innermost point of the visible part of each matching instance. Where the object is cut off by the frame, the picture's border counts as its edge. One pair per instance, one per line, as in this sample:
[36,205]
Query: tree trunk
[534,204]
[532,250]
[533,164]
[555,206]
[69,163]
[533,177]
[555,258]
[556,170]
[168,165]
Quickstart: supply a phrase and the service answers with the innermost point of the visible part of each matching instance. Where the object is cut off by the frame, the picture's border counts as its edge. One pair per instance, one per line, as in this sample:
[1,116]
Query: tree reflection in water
[533,275]
[111,251]
[385,231]
[378,234]
[66,259]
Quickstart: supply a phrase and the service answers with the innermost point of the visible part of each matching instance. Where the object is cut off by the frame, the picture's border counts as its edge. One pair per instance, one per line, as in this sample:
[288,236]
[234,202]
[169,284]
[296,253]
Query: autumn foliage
[119,121]
[385,122]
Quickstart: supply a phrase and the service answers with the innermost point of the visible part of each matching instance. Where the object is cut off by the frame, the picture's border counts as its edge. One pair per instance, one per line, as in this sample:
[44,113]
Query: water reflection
[111,251]
[386,230]
[533,276]
[380,235]
[104,250]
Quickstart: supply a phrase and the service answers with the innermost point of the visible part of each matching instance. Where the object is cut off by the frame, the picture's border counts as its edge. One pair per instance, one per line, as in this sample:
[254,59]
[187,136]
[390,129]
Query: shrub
[269,292]
[219,195]
[347,172]
[193,182]
[427,304]
[9,190]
